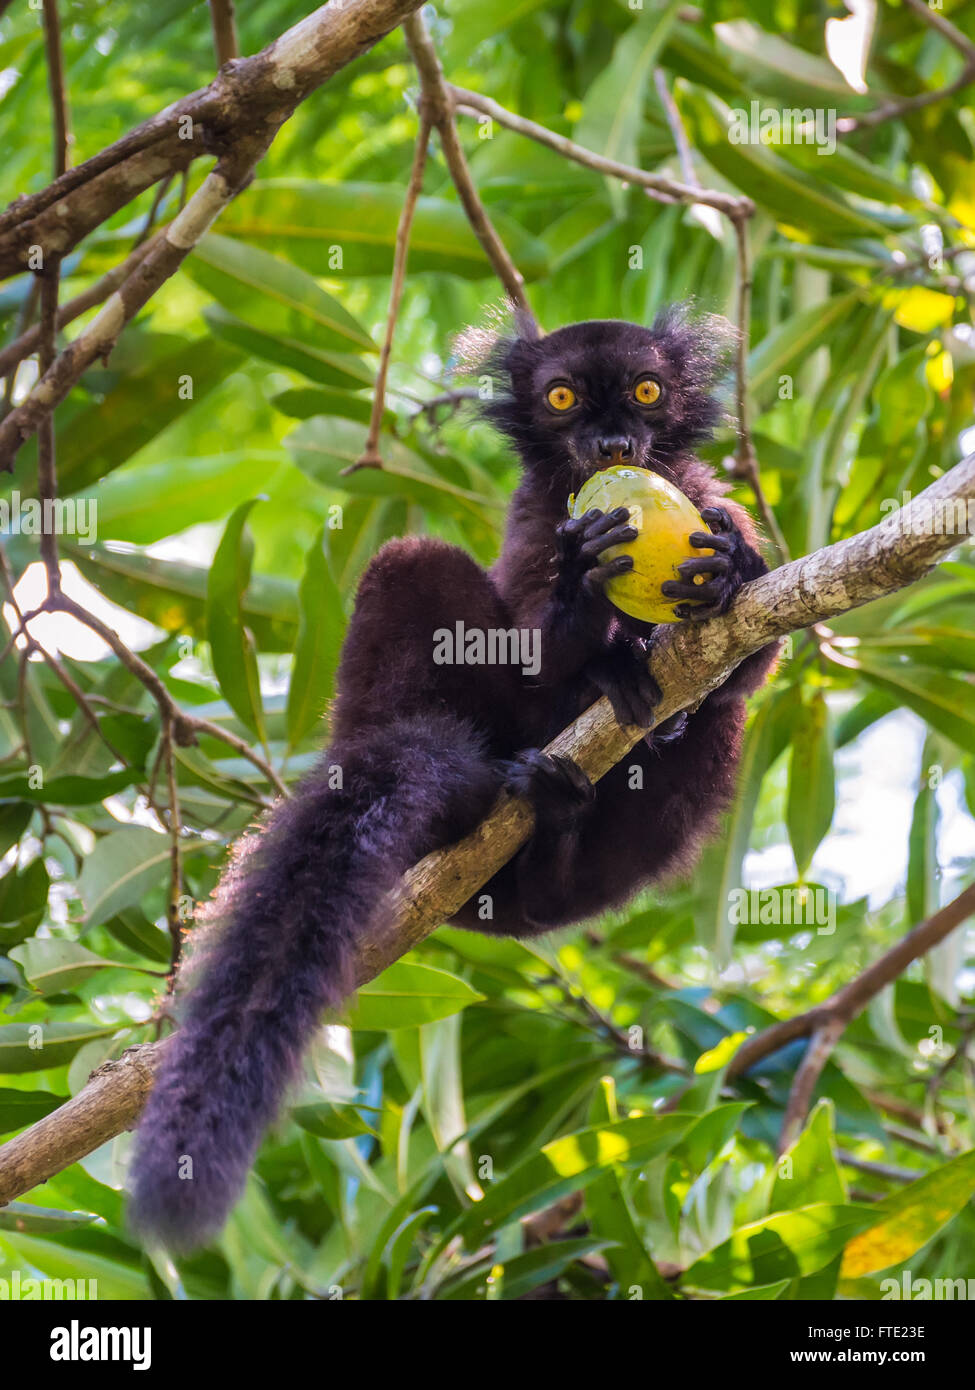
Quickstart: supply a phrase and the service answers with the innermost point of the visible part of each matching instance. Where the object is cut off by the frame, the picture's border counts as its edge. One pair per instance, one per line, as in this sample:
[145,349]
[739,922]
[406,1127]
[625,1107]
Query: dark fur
[424,749]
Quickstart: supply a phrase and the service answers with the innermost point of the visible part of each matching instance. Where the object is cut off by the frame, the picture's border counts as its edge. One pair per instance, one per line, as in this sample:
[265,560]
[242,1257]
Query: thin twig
[370,457]
[728,203]
[224,31]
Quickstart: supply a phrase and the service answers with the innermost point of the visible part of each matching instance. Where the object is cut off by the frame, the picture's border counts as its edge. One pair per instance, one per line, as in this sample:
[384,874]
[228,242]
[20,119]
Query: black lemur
[425,747]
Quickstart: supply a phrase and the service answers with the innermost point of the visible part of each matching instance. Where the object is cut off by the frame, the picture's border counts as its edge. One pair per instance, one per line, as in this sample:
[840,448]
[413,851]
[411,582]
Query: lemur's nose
[617,448]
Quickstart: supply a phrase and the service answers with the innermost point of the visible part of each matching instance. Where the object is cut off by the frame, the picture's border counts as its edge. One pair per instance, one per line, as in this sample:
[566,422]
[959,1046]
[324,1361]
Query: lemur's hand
[622,675]
[580,542]
[732,563]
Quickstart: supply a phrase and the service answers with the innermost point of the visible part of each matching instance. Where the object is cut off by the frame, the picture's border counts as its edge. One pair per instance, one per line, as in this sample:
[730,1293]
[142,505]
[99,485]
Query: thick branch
[688,662]
[249,98]
[259,94]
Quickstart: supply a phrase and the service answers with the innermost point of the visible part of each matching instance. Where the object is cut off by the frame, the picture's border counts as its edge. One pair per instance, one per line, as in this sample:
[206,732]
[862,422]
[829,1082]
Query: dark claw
[556,786]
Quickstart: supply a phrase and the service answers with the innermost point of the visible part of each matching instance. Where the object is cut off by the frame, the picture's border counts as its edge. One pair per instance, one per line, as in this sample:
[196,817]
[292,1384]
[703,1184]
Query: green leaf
[330,1121]
[39,1046]
[327,367]
[811,1173]
[314,223]
[22,1216]
[612,1216]
[23,899]
[788,1245]
[321,628]
[172,594]
[231,643]
[322,447]
[53,1260]
[792,196]
[812,790]
[121,869]
[406,994]
[797,338]
[21,1108]
[569,1164]
[520,1274]
[55,965]
[143,403]
[69,791]
[943,701]
[911,1217]
[144,502]
[615,102]
[273,293]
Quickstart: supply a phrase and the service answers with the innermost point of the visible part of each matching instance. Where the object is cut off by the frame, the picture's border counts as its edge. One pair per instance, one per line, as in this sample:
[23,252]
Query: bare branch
[849,1001]
[224,30]
[370,454]
[674,190]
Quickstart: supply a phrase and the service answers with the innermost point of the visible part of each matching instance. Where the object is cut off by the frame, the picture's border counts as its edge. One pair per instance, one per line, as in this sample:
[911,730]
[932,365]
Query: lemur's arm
[550,575]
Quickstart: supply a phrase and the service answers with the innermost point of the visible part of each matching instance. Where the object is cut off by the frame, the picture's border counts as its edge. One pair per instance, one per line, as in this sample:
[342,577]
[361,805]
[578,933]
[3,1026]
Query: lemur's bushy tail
[280,950]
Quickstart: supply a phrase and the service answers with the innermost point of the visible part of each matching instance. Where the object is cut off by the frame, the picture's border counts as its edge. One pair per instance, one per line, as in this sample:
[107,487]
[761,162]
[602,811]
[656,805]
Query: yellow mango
[664,518]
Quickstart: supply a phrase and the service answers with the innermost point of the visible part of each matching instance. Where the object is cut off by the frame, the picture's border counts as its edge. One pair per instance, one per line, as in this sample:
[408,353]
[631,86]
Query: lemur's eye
[648,391]
[561,397]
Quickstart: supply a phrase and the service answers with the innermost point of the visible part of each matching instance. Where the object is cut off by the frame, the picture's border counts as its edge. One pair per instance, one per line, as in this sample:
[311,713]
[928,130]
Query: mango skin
[664,518]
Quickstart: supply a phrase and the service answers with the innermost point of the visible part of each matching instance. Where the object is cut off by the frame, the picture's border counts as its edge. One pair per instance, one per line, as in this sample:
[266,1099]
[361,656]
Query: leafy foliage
[481,1086]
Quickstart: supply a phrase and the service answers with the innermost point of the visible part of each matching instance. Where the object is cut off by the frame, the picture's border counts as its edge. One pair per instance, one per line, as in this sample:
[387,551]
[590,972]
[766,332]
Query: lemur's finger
[712,541]
[619,535]
[695,612]
[719,517]
[598,576]
[704,564]
[707,593]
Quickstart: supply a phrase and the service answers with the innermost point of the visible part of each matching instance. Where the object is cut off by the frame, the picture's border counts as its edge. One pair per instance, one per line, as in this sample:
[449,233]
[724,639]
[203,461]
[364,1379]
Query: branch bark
[688,662]
[249,99]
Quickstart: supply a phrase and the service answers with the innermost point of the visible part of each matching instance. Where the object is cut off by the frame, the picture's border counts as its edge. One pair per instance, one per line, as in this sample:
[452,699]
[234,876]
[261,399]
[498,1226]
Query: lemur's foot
[622,675]
[581,541]
[725,568]
[557,787]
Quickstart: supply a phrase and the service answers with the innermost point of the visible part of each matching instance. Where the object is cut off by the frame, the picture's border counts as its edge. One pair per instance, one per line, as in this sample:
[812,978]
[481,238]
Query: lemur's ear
[506,326]
[699,345]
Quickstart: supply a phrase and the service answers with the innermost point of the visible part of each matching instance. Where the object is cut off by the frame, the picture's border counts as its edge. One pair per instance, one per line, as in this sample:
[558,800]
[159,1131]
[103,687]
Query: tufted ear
[699,345]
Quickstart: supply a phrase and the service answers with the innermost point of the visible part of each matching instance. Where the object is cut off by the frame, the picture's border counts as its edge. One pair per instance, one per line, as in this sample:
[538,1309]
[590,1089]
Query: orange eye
[647,391]
[561,397]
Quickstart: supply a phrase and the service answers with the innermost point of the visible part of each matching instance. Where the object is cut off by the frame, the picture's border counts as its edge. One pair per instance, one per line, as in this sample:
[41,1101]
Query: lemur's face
[598,393]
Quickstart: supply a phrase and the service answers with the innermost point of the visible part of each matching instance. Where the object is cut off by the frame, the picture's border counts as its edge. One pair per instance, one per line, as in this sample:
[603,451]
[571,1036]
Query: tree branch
[257,95]
[688,662]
